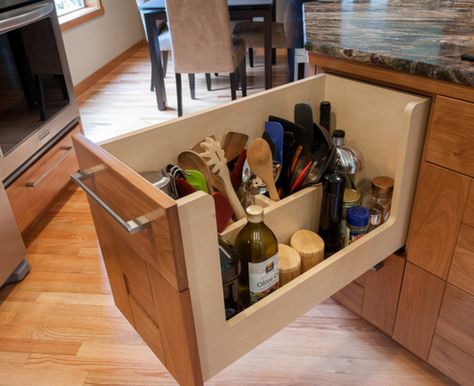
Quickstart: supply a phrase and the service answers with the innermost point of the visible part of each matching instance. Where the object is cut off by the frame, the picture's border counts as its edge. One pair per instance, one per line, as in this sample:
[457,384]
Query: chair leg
[300,70]
[233,85]
[251,57]
[216,74]
[164,61]
[243,77]
[192,85]
[208,81]
[152,82]
[179,94]
[291,65]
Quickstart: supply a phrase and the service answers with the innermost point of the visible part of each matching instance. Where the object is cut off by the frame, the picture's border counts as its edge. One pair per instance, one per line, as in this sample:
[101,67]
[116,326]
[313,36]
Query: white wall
[91,45]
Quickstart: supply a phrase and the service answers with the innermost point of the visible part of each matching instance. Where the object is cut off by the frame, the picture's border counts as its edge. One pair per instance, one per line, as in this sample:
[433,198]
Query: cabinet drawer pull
[34,184]
[377,267]
[132,226]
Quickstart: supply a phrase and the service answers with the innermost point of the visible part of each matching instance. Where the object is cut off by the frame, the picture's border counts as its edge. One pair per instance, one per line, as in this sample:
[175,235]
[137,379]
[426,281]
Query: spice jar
[381,196]
[351,198]
[357,223]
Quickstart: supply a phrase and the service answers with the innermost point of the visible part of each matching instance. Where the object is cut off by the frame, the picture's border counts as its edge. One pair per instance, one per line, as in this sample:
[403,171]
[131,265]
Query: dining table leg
[267,19]
[155,57]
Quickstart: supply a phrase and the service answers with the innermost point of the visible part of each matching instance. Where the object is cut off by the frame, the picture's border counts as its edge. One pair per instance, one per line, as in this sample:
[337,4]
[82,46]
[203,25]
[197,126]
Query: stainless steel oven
[37,103]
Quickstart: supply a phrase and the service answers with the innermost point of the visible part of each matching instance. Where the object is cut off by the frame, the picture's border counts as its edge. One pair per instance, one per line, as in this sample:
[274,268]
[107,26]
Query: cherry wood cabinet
[439,248]
[420,301]
[31,194]
[439,207]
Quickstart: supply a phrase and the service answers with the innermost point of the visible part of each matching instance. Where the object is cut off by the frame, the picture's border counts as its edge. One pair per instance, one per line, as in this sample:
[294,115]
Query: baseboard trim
[92,79]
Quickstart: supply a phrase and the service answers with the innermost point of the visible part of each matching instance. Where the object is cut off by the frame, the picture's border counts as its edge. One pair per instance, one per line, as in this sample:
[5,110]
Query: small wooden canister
[289,261]
[310,247]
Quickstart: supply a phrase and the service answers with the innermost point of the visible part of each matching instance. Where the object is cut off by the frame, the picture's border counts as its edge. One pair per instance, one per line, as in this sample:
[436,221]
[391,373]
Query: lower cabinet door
[382,292]
[162,254]
[452,350]
[418,309]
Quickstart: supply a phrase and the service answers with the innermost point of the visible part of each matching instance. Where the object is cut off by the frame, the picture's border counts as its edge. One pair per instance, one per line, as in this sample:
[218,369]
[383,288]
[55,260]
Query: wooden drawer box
[35,189]
[451,135]
[175,255]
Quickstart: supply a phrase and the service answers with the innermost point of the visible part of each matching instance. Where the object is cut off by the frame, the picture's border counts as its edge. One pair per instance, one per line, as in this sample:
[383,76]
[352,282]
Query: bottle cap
[254,213]
[358,216]
[325,106]
[382,184]
[351,196]
[336,182]
[338,133]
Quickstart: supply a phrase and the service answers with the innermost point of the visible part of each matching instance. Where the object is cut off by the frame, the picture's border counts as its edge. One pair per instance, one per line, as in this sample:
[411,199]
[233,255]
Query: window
[74,12]
[63,7]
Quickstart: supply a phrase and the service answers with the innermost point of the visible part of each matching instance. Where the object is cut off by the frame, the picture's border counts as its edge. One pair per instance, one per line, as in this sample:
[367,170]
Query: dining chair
[164,40]
[202,42]
[288,34]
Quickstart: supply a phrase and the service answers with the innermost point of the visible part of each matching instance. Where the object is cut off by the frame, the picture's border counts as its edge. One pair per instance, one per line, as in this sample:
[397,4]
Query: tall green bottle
[258,249]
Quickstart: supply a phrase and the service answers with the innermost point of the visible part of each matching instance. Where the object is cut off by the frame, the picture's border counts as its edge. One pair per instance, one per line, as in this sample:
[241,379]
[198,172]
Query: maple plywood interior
[387,126]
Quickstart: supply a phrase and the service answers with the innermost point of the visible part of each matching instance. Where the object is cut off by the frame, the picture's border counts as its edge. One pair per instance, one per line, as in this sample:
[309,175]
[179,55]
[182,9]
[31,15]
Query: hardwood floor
[60,327]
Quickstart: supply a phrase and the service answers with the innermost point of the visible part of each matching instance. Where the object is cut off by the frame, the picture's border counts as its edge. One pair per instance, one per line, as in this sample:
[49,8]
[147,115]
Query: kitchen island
[425,300]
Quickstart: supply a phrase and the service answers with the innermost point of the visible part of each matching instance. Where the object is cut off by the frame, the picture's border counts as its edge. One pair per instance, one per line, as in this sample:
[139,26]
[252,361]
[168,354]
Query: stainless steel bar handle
[35,183]
[26,15]
[131,226]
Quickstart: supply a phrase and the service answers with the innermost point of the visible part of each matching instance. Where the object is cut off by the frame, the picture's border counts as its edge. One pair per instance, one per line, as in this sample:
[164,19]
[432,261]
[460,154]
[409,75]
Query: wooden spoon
[189,159]
[259,157]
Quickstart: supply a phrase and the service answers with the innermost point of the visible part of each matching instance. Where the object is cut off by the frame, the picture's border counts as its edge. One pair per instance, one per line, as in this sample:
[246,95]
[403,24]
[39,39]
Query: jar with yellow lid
[351,198]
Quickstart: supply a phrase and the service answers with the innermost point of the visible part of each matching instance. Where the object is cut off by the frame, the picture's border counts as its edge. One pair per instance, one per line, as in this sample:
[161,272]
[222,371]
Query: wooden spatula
[259,157]
[217,163]
[233,143]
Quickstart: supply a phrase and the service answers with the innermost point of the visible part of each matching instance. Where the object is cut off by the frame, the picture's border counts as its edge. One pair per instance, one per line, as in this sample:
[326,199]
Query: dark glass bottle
[331,211]
[325,115]
[230,270]
[258,248]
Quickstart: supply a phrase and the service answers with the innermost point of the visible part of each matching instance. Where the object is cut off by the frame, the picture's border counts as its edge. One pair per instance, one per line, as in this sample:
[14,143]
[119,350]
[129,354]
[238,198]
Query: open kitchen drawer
[164,268]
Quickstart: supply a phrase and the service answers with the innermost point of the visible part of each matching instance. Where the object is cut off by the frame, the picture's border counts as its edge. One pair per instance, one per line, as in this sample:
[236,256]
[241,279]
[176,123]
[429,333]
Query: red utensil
[184,188]
[236,175]
[300,178]
[224,211]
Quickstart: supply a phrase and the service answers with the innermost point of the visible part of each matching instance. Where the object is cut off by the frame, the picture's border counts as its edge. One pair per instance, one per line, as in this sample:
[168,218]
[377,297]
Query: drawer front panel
[381,293]
[452,361]
[451,137]
[351,297]
[439,207]
[418,308]
[462,267]
[468,218]
[456,319]
[35,189]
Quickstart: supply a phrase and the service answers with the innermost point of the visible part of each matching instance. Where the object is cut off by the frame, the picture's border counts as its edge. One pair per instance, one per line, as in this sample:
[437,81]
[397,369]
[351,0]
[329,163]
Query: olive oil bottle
[258,249]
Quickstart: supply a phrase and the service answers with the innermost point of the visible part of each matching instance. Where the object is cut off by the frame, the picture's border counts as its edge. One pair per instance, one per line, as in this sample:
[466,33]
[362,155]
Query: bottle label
[263,278]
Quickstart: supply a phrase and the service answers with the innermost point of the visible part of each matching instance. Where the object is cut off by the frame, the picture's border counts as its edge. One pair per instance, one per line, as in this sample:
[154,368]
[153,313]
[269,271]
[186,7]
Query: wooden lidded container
[310,247]
[289,261]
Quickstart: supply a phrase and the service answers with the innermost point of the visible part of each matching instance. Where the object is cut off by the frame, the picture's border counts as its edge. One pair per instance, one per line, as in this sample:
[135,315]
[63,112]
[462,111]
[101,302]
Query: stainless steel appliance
[37,103]
[13,265]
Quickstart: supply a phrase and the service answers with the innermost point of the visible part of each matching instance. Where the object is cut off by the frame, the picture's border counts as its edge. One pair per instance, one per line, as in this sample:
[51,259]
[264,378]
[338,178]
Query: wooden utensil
[310,247]
[189,159]
[215,159]
[289,261]
[233,143]
[259,157]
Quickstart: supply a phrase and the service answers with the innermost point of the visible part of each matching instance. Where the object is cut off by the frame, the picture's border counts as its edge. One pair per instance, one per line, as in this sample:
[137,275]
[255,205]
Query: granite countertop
[422,37]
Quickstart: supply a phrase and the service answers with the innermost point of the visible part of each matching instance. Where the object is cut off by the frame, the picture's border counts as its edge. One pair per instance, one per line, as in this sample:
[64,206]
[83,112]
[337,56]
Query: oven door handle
[26,15]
